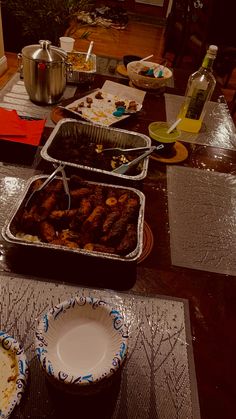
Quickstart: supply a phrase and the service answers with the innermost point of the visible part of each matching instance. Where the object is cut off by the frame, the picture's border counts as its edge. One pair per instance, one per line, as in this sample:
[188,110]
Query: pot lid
[44,51]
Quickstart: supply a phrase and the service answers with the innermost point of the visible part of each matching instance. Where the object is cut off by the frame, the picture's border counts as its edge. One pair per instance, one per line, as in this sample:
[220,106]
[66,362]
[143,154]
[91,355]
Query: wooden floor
[12,68]
[137,38]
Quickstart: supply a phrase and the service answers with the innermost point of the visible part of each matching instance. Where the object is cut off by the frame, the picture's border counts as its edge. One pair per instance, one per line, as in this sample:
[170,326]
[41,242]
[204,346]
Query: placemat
[218,129]
[158,379]
[107,66]
[14,96]
[203,230]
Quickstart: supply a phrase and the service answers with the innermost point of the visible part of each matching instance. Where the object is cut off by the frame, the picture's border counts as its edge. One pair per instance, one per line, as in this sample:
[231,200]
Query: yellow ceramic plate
[181,154]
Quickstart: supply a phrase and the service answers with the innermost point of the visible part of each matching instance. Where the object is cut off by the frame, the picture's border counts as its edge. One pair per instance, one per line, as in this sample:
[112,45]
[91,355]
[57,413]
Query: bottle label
[196,104]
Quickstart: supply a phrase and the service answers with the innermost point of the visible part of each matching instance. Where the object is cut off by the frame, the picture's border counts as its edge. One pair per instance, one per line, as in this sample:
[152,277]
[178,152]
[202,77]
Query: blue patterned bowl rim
[9,343]
[41,343]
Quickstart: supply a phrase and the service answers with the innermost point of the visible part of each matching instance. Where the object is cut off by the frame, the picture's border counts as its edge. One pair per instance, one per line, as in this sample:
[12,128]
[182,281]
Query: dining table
[179,296]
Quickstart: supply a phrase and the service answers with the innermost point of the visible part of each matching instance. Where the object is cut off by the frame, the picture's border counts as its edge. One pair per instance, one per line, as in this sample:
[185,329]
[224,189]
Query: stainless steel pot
[44,71]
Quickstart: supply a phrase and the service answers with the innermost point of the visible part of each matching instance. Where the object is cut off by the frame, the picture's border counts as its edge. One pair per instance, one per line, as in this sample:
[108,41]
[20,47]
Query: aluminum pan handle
[20,64]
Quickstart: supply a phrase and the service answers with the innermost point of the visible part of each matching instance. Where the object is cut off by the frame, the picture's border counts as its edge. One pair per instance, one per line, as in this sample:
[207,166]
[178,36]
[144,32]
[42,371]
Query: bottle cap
[212,49]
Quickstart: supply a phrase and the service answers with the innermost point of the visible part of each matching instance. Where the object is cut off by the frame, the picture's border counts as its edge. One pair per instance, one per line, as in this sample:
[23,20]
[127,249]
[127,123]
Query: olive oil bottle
[199,89]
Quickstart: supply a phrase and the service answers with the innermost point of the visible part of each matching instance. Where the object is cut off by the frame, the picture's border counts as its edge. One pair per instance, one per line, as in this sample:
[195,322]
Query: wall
[3,60]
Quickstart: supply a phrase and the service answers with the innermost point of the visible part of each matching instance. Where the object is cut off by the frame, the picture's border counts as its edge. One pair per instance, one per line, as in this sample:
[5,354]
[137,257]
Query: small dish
[13,374]
[81,343]
[158,132]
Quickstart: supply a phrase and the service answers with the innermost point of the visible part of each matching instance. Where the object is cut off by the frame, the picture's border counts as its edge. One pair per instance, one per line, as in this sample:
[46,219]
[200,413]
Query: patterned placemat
[14,96]
[218,129]
[158,379]
[108,66]
[203,230]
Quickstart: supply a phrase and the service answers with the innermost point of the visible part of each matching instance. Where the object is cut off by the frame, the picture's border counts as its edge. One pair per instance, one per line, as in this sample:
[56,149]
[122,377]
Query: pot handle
[20,65]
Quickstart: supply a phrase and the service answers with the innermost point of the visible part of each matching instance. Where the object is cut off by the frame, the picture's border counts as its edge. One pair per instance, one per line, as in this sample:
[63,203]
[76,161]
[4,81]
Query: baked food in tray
[71,138]
[104,220]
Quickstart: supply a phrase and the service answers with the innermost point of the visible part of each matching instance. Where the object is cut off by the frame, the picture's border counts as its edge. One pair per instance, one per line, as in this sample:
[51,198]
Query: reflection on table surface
[190,210]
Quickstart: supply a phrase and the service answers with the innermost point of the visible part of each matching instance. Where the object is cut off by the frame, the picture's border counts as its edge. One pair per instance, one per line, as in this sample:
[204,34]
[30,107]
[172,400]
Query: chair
[233,105]
[193,25]
[176,30]
[225,64]
[199,30]
[187,31]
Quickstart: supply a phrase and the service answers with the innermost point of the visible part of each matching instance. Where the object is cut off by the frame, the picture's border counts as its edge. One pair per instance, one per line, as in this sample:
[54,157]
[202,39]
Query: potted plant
[38,19]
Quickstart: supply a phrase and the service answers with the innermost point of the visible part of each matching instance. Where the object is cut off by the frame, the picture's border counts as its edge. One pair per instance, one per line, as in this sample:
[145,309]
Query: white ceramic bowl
[13,374]
[81,343]
[146,82]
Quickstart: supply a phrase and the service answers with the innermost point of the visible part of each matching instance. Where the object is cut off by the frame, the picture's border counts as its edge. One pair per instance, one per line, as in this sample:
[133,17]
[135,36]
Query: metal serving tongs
[126,166]
[119,150]
[59,168]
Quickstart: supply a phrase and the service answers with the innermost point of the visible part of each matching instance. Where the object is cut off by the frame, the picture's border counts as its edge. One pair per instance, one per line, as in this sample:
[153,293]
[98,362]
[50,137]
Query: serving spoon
[146,58]
[89,51]
[174,125]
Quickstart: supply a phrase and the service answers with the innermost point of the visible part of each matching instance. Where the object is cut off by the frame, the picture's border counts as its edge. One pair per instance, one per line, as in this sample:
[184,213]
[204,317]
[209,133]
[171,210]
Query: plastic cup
[67,43]
[158,134]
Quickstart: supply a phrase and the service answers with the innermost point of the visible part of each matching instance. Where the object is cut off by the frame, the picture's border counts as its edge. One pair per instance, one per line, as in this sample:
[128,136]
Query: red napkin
[10,123]
[13,128]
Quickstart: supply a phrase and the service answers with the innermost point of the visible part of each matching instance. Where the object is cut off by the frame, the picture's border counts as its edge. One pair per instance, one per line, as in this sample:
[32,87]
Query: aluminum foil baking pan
[82,75]
[110,137]
[10,228]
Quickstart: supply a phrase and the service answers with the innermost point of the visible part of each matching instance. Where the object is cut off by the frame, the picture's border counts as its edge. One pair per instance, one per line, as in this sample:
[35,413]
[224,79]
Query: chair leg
[233,105]
[177,61]
[229,74]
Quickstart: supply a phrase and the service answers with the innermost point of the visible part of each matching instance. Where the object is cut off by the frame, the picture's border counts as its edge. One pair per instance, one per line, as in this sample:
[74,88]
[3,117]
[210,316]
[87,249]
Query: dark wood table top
[211,295]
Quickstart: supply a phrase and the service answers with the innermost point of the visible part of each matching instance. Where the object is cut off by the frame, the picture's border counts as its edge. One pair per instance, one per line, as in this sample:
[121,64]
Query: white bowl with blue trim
[13,374]
[81,343]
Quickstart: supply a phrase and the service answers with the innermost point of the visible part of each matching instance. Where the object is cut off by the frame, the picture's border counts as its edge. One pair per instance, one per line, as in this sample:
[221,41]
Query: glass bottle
[199,89]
